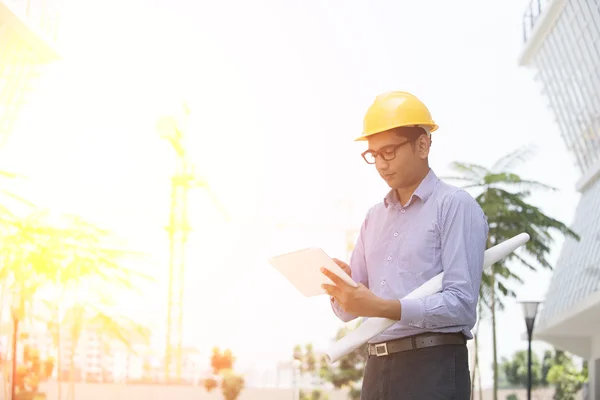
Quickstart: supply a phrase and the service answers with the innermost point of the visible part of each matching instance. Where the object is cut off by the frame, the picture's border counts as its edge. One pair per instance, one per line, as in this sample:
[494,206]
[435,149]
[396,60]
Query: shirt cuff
[336,307]
[413,311]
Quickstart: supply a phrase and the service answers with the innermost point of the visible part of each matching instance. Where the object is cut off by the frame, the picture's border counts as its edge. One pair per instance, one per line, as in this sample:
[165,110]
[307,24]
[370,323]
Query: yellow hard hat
[395,109]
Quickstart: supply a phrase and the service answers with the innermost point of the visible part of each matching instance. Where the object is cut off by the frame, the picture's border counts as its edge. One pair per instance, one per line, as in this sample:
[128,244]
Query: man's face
[398,161]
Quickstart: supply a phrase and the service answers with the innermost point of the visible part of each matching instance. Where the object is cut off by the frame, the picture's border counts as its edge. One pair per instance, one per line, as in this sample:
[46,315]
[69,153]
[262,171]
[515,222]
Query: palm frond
[15,196]
[41,251]
[485,293]
[526,263]
[506,292]
[457,178]
[510,160]
[11,175]
[513,180]
[473,172]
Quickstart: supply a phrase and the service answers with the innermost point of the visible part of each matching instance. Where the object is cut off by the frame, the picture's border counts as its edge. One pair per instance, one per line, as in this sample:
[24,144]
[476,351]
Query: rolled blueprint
[374,326]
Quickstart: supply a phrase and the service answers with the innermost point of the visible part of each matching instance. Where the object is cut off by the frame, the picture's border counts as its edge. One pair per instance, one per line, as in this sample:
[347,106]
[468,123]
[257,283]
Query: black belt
[415,342]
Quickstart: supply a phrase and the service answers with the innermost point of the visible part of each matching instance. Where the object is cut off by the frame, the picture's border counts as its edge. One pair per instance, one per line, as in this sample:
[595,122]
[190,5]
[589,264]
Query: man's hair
[412,133]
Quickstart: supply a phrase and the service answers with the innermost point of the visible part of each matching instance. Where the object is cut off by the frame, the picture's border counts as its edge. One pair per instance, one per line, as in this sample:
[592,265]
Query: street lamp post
[530,311]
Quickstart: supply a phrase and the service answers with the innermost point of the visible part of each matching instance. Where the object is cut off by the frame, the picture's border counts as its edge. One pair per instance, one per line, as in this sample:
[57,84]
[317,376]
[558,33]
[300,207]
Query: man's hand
[358,301]
[345,267]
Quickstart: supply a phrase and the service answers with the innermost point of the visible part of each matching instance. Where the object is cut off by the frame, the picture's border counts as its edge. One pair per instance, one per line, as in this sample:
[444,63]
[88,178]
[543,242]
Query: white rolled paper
[374,326]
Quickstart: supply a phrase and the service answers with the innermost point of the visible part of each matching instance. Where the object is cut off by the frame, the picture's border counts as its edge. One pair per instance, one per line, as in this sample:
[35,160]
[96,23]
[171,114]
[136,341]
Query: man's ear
[423,145]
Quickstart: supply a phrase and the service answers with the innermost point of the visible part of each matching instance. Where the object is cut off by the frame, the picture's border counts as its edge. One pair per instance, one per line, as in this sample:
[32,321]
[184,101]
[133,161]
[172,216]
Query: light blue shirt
[440,228]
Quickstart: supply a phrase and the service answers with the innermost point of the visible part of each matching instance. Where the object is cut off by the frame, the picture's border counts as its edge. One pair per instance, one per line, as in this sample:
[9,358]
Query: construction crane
[183,179]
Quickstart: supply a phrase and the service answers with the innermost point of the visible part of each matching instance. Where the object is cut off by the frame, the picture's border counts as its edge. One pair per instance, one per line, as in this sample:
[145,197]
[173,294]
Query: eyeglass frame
[378,152]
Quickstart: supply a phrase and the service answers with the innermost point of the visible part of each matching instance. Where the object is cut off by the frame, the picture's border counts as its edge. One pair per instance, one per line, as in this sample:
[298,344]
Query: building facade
[28,32]
[562,45]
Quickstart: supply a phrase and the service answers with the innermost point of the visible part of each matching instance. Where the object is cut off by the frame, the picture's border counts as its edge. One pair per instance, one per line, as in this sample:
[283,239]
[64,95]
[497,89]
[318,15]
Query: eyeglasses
[387,153]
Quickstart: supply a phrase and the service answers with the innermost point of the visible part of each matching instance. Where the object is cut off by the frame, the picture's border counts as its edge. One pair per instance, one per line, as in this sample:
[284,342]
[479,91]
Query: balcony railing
[532,13]
[41,15]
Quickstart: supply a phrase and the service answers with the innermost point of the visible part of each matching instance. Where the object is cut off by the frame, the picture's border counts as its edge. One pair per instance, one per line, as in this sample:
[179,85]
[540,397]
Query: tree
[210,383]
[476,373]
[557,369]
[503,197]
[31,372]
[565,377]
[70,265]
[222,364]
[221,361]
[231,385]
[350,369]
[11,207]
[547,363]
[313,395]
[310,361]
[515,369]
[307,358]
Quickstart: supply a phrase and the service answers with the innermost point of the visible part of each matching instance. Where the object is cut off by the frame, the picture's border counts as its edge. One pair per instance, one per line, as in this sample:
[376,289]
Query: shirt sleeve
[358,266]
[464,232]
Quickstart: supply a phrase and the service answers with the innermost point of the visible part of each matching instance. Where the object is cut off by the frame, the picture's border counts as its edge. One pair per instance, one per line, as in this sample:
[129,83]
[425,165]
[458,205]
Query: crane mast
[183,179]
[178,229]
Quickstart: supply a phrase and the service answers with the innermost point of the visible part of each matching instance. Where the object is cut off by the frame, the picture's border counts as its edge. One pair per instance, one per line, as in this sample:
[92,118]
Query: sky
[277,91]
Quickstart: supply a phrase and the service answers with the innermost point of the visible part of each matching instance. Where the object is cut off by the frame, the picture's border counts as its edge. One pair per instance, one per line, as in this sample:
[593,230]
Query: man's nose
[381,164]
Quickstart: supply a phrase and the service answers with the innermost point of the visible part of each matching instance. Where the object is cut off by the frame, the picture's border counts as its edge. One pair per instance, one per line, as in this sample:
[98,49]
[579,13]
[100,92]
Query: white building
[562,45]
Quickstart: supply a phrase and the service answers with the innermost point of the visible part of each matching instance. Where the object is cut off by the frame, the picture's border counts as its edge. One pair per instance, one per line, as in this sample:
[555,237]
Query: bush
[210,384]
[231,385]
[314,395]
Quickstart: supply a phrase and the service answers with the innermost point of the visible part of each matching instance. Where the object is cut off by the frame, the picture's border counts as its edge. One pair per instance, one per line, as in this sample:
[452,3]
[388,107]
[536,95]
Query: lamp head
[530,309]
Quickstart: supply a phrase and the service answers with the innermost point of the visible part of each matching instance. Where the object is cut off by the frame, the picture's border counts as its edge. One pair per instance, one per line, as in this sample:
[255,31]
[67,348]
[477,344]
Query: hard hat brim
[365,136]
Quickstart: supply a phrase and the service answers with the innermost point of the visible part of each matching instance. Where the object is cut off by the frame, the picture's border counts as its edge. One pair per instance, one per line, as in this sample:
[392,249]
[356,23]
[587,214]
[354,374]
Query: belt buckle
[381,346]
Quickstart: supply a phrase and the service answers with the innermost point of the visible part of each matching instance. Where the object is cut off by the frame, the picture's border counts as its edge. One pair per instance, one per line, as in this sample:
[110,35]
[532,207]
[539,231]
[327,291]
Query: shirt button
[389,258]
[395,233]
[382,283]
[403,211]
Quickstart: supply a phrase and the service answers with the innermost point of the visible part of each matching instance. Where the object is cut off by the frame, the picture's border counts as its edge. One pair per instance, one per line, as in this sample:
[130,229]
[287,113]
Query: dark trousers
[432,373]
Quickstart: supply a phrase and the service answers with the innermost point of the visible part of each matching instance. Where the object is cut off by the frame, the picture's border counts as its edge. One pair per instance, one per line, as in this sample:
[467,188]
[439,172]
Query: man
[421,228]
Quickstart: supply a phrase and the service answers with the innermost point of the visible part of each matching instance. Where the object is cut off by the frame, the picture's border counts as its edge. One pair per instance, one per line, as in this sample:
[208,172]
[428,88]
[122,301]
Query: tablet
[302,269]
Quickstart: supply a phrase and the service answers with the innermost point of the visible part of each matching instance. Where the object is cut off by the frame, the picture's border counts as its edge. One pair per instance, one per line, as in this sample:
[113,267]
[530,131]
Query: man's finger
[341,264]
[331,290]
[334,278]
[345,267]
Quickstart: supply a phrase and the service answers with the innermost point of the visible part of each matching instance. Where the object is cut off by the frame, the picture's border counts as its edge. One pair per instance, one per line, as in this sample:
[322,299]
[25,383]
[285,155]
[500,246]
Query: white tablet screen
[302,269]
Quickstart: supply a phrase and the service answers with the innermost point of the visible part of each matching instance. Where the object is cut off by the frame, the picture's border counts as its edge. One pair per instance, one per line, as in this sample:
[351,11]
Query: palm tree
[10,206]
[43,258]
[85,271]
[476,372]
[503,195]
[48,259]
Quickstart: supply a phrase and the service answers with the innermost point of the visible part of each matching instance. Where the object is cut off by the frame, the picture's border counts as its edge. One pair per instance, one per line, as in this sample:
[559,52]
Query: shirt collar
[423,191]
